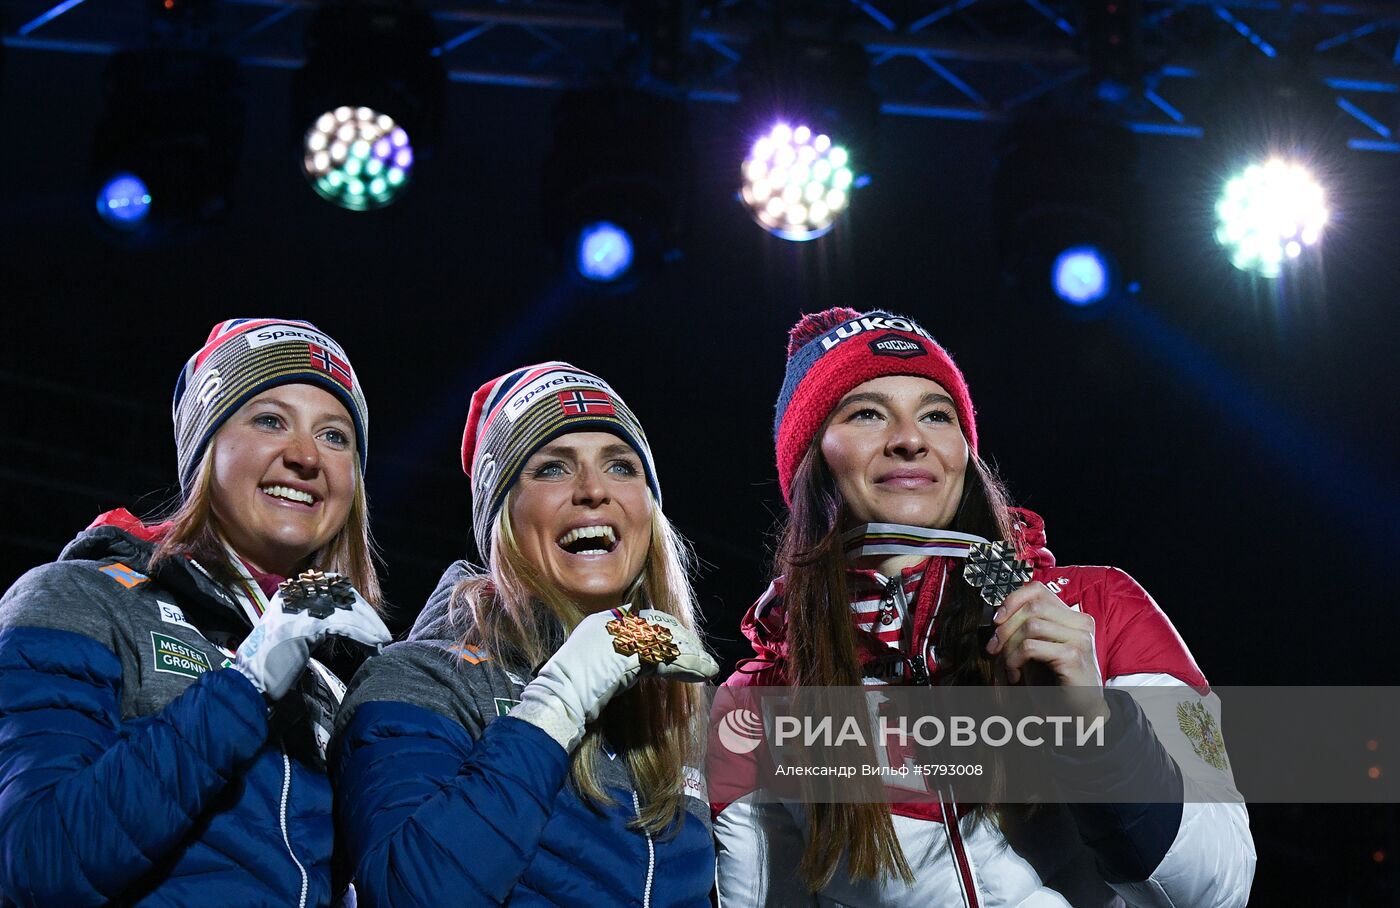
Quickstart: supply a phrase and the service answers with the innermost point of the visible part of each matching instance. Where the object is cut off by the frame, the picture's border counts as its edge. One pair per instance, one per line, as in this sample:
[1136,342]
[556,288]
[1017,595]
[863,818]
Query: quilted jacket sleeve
[422,809]
[1209,858]
[89,802]
[1204,855]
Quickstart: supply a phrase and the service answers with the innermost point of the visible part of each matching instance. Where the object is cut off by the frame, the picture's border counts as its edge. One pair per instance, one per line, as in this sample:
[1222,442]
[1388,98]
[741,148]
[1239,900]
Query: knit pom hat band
[514,415]
[244,357]
[831,352]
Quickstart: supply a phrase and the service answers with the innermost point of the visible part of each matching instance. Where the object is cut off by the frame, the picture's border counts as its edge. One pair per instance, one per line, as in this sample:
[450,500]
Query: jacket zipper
[898,604]
[286,790]
[892,602]
[957,848]
[651,854]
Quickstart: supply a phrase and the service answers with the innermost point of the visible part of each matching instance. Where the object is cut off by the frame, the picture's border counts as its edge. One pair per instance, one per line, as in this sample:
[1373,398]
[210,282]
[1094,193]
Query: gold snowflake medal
[634,636]
[316,593]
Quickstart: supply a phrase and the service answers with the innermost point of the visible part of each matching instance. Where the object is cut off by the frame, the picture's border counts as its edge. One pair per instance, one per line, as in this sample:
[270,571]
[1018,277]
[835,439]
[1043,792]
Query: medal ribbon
[993,568]
[898,539]
[252,600]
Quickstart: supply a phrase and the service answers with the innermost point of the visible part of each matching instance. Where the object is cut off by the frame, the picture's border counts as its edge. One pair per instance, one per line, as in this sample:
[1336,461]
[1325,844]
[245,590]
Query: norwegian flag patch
[327,361]
[586,403]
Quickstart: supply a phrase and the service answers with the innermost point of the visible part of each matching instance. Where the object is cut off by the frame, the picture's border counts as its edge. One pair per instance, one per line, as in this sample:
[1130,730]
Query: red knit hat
[831,352]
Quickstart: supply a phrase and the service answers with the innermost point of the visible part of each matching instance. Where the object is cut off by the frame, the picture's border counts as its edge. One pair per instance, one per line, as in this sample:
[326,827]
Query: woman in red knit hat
[878,461]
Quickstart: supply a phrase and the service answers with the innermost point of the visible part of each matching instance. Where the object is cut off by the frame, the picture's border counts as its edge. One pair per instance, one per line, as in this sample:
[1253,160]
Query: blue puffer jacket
[442,798]
[134,768]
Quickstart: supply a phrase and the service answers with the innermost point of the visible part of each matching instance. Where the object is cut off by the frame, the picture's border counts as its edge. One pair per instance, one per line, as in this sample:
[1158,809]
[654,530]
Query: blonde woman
[162,725]
[535,740]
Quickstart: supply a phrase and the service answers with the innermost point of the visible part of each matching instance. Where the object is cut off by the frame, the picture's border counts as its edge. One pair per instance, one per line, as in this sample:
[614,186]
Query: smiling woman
[455,770]
[161,717]
[878,461]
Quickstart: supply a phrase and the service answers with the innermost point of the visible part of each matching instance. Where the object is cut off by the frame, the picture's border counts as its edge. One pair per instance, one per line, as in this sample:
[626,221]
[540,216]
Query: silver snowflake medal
[316,593]
[995,570]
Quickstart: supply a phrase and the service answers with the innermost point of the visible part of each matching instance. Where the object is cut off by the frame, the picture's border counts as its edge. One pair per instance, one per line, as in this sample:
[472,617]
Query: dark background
[1230,445]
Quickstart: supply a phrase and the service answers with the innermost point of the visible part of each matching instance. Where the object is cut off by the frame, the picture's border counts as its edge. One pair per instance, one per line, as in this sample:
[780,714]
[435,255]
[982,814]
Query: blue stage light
[604,252]
[124,201]
[1081,275]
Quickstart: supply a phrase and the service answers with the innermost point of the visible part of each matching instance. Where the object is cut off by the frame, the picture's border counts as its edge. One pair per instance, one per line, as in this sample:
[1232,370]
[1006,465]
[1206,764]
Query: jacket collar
[121,536]
[765,623]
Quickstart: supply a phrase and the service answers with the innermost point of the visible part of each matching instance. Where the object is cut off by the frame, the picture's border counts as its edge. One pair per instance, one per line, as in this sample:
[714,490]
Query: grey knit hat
[514,415]
[244,357]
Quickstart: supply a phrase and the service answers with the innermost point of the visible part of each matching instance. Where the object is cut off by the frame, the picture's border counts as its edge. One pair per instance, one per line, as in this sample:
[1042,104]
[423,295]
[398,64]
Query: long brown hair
[822,644]
[518,615]
[194,533]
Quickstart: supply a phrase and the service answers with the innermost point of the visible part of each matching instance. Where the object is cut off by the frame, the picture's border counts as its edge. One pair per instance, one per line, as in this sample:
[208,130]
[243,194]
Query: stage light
[615,184]
[357,158]
[796,182]
[1064,200]
[166,149]
[1270,214]
[812,117]
[1082,275]
[368,104]
[124,201]
[604,252]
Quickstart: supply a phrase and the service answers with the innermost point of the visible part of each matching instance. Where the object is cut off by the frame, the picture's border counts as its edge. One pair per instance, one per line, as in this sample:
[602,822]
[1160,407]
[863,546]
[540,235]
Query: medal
[318,594]
[633,636]
[992,567]
[995,570]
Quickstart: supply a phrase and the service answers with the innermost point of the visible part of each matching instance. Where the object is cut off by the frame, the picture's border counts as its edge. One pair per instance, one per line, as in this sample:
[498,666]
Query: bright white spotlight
[796,182]
[604,252]
[1269,214]
[357,158]
[1081,275]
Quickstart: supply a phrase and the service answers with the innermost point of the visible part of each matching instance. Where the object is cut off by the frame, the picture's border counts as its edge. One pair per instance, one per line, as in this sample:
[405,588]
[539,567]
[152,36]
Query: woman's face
[581,513]
[284,476]
[897,452]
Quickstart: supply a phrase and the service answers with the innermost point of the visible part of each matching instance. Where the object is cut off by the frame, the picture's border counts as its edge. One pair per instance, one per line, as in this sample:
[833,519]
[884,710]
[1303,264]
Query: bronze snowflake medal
[317,594]
[995,570]
[633,636]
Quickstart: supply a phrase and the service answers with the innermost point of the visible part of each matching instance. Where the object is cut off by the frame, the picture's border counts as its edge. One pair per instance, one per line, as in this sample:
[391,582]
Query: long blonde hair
[517,614]
[194,533]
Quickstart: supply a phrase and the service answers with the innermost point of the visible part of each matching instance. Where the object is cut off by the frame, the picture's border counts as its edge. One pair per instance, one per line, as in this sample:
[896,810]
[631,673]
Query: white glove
[571,689]
[275,654]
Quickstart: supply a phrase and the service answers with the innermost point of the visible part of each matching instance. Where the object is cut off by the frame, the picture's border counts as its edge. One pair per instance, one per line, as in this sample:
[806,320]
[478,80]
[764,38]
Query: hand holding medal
[595,664]
[305,611]
[652,643]
[1029,623]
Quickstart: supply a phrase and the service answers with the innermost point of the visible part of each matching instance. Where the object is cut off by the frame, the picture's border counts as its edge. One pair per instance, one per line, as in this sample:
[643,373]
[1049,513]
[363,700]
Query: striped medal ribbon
[249,595]
[993,568]
[898,539]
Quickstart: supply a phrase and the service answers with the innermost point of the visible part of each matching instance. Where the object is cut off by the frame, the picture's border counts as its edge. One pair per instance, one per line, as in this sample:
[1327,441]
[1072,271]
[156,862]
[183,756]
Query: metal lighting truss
[977,60]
